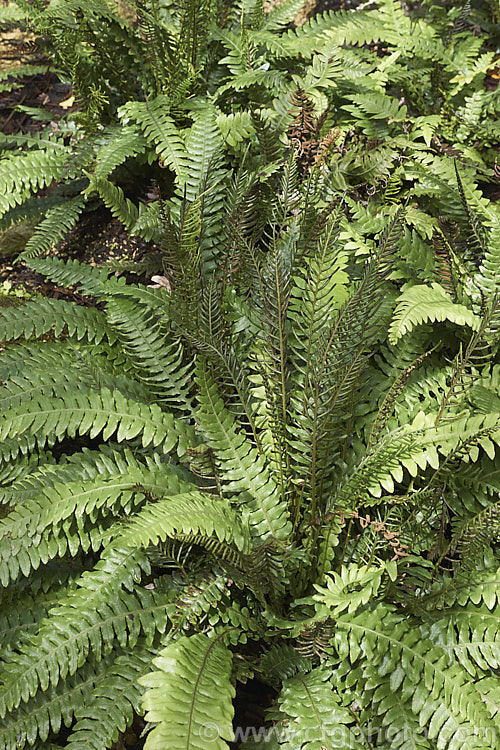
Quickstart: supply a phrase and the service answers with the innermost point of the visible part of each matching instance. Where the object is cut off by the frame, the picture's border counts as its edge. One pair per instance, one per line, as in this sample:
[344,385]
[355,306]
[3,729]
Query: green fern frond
[471,638]
[91,620]
[109,460]
[97,282]
[192,687]
[281,15]
[421,304]
[157,359]
[438,691]
[199,599]
[183,514]
[94,413]
[47,712]
[488,277]
[113,197]
[160,131]
[203,144]
[38,317]
[38,529]
[124,143]
[56,224]
[22,174]
[110,707]
[312,707]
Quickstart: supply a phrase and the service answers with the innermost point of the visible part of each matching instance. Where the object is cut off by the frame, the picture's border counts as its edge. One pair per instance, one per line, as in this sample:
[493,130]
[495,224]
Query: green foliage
[205,665]
[283,464]
[276,460]
[185,86]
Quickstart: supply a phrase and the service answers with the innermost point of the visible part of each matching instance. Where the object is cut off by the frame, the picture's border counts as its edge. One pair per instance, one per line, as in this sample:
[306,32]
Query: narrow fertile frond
[248,479]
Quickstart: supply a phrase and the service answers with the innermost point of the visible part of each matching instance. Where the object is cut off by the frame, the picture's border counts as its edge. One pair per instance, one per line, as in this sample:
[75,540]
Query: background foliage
[282,464]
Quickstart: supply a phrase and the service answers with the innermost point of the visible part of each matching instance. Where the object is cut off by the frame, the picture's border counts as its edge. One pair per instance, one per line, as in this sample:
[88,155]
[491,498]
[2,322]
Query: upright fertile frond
[215,343]
[318,291]
[274,300]
[248,479]
[336,355]
[191,688]
[471,536]
[489,274]
[475,225]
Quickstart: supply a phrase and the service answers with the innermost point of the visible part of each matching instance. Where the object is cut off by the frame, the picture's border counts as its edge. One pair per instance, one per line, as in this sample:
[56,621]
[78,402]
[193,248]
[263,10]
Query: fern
[420,304]
[273,468]
[160,130]
[208,664]
[35,319]
[56,224]
[240,461]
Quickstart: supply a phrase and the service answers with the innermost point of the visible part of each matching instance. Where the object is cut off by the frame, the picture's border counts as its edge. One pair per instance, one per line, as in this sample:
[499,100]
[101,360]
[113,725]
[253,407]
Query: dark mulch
[42,91]
[97,239]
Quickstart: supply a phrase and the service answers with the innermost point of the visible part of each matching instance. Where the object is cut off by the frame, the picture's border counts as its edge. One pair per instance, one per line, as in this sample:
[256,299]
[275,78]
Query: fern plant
[271,470]
[391,95]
